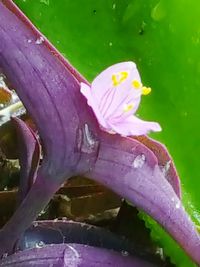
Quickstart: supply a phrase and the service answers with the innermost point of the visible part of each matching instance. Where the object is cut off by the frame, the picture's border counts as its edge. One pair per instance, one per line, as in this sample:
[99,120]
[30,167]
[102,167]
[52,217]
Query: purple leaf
[165,161]
[131,170]
[73,255]
[56,100]
[74,144]
[29,157]
[59,110]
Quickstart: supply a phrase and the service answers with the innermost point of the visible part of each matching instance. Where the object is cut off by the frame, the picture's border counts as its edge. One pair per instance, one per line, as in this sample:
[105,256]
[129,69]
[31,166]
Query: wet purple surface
[74,144]
[72,255]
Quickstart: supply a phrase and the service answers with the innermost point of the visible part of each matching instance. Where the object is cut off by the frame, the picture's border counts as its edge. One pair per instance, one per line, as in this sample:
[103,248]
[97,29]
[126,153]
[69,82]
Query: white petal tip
[156,127]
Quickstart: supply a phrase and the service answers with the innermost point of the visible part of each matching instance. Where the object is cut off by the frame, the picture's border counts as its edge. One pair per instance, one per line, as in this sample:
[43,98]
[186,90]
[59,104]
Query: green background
[163,38]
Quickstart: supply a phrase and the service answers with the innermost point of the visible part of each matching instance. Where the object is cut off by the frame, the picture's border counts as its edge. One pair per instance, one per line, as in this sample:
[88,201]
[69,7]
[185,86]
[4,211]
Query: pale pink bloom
[114,96]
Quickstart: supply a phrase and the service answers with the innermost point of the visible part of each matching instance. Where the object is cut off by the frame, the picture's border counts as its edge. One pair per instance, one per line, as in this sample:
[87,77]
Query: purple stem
[29,149]
[36,200]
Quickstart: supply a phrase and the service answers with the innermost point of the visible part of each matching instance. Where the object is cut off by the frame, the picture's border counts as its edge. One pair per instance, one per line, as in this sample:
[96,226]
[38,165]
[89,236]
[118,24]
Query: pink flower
[114,96]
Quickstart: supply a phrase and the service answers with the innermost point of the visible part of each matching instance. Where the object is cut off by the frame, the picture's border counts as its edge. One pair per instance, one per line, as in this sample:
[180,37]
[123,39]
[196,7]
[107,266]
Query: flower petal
[104,78]
[86,91]
[134,126]
[112,89]
[126,110]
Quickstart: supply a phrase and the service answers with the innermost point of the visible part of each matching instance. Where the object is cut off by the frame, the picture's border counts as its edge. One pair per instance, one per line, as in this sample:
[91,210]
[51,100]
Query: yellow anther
[114,80]
[128,107]
[124,75]
[119,77]
[146,90]
[136,84]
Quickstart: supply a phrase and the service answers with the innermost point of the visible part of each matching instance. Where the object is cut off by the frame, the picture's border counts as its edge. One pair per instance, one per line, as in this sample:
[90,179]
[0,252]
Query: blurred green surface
[163,38]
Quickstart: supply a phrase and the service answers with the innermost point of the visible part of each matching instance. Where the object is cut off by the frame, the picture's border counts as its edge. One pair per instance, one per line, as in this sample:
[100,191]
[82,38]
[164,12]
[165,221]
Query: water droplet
[142,28]
[114,6]
[159,11]
[71,256]
[39,40]
[40,244]
[29,41]
[89,143]
[35,224]
[64,55]
[160,252]
[124,253]
[173,199]
[178,205]
[139,161]
[42,213]
[5,188]
[166,167]
[46,2]
[5,255]
[195,40]
[110,44]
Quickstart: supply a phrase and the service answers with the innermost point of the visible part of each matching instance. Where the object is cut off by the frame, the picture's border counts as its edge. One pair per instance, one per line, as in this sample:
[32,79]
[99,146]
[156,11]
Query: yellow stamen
[146,90]
[114,80]
[128,107]
[124,75]
[136,84]
[119,77]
